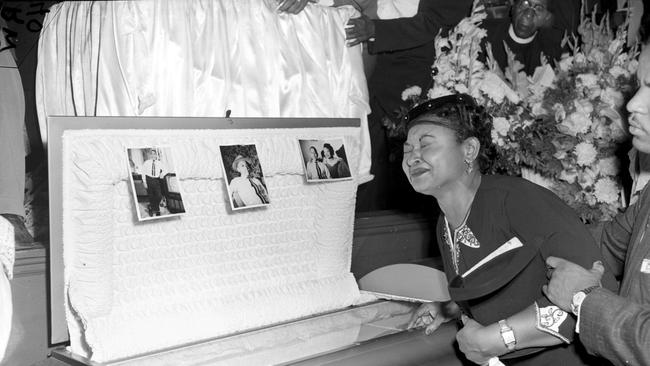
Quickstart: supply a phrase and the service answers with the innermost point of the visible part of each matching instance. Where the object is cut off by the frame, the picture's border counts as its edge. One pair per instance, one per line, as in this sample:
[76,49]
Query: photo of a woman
[246,184]
[325,160]
[337,167]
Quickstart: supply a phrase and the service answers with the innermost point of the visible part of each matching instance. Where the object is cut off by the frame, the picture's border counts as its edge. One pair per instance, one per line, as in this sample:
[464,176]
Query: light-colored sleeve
[616,328]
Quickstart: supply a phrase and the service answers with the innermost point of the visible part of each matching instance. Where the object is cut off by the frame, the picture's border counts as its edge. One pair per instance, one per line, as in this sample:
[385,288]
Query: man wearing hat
[246,189]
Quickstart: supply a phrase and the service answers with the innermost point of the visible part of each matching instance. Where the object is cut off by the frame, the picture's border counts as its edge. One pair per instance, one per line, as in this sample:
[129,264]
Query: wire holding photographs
[244,176]
[155,186]
[325,160]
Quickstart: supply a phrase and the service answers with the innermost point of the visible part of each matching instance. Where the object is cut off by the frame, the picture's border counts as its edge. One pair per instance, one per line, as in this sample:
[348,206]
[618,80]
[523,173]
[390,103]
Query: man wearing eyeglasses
[529,34]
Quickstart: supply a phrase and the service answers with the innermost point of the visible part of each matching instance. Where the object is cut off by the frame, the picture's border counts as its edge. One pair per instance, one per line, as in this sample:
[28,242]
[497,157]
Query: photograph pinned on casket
[325,160]
[155,186]
[244,176]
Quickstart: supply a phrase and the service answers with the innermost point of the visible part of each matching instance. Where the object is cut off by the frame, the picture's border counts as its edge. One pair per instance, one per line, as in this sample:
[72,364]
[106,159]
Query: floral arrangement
[563,128]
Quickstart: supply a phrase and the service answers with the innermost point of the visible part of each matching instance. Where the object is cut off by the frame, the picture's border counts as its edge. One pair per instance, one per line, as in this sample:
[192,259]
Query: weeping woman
[500,303]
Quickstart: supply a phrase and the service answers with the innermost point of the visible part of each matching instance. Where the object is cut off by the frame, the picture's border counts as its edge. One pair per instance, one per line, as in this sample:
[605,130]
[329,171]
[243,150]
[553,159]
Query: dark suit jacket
[405,49]
[617,327]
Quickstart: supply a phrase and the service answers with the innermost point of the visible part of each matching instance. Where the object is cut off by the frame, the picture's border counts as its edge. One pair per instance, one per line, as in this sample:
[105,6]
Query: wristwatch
[508,335]
[579,297]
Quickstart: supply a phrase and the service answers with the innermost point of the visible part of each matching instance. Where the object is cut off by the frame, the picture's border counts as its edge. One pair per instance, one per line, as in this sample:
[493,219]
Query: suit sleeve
[405,33]
[535,212]
[617,235]
[615,328]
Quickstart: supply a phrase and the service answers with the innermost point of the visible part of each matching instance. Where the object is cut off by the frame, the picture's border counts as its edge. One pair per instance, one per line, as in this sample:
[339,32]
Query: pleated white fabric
[200,58]
[6,271]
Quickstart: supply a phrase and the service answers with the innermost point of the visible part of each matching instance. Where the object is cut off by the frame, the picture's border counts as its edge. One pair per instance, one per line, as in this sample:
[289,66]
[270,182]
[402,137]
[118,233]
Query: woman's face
[314,153]
[242,168]
[328,155]
[433,158]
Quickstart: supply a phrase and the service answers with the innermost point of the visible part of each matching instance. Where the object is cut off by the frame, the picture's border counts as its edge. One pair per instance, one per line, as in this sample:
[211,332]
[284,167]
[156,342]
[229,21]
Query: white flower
[612,97]
[437,91]
[587,80]
[608,166]
[543,75]
[600,129]
[586,178]
[560,155]
[617,71]
[501,125]
[632,66]
[615,46]
[497,139]
[575,123]
[538,109]
[559,111]
[461,88]
[566,62]
[596,56]
[411,92]
[590,199]
[583,106]
[580,58]
[606,190]
[621,59]
[496,89]
[585,153]
[569,176]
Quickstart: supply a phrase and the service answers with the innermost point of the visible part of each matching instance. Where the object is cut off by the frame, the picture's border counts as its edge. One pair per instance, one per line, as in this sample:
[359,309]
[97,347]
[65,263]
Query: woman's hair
[330,149]
[315,152]
[460,113]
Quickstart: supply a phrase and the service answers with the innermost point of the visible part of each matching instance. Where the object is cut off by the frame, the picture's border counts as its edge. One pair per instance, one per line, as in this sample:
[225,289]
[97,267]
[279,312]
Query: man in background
[402,39]
[532,30]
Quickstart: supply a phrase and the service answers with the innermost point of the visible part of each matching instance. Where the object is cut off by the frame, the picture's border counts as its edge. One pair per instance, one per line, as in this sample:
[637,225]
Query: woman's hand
[479,343]
[432,314]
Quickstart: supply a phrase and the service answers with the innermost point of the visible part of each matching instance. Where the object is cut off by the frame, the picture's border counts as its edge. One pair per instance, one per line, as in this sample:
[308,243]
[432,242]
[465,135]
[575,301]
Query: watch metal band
[508,335]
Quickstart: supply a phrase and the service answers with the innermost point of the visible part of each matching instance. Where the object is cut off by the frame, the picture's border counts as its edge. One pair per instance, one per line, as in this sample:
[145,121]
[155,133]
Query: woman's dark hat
[238,159]
[495,274]
[454,104]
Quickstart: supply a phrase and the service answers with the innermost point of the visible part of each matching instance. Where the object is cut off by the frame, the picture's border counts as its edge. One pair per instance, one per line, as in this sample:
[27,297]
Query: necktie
[153,168]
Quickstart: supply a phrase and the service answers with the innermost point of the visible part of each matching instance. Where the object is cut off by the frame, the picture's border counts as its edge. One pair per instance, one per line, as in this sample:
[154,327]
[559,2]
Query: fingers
[356,31]
[598,268]
[435,324]
[553,262]
[425,315]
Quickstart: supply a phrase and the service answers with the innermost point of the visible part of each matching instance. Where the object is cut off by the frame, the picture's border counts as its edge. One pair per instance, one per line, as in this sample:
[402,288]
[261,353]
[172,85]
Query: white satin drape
[200,58]
[7,246]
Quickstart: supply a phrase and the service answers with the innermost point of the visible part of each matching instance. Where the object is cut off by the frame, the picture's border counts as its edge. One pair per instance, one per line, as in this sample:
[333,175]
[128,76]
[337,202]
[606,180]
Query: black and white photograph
[325,160]
[155,186]
[243,173]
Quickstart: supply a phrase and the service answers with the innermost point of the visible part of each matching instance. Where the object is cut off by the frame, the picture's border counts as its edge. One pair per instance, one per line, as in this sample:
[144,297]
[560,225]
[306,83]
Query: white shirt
[153,168]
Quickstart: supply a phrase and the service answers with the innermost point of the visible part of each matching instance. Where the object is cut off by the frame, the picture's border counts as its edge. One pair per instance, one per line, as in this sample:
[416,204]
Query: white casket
[214,286]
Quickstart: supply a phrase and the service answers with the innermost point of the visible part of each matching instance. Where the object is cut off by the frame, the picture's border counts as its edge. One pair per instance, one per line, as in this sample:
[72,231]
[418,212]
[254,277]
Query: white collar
[511,33]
